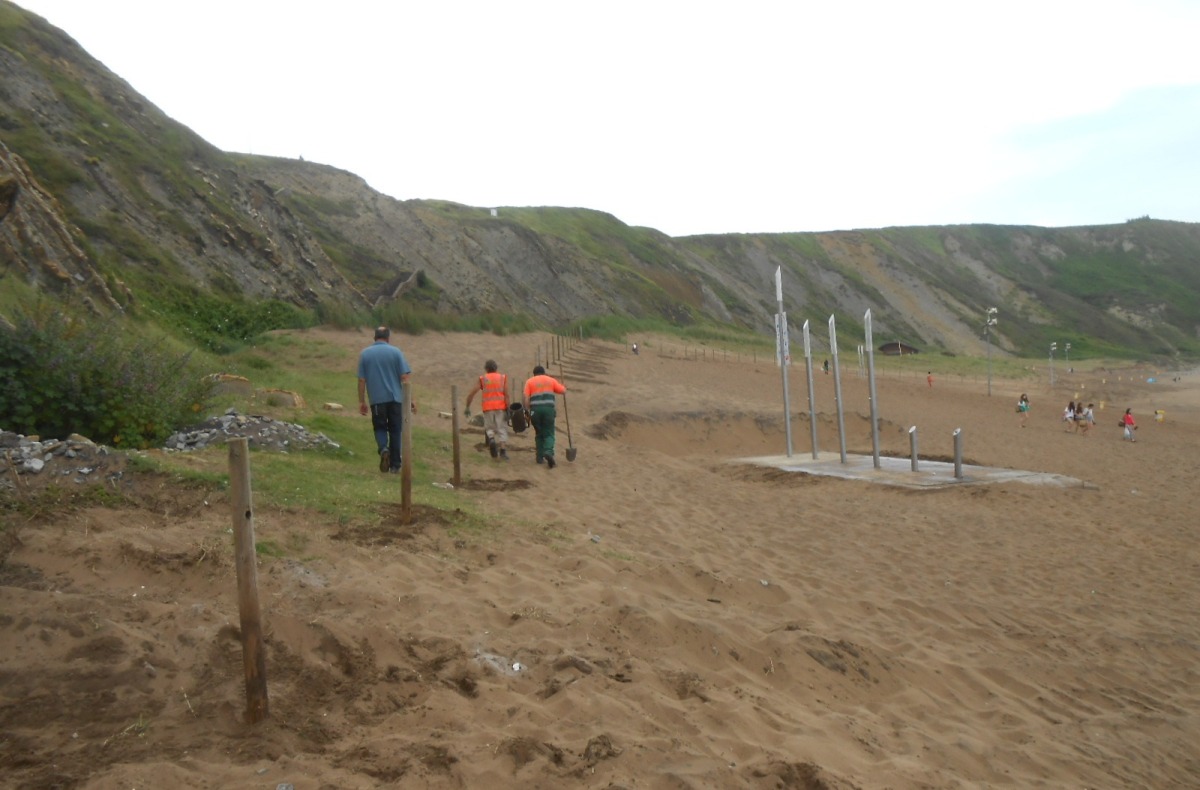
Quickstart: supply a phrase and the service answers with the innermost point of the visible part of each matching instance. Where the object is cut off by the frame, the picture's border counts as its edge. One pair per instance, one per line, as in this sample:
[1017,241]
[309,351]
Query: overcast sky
[695,117]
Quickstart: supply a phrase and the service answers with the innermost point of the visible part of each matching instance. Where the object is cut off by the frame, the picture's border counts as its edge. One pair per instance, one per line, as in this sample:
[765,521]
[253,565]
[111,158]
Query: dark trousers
[542,420]
[387,419]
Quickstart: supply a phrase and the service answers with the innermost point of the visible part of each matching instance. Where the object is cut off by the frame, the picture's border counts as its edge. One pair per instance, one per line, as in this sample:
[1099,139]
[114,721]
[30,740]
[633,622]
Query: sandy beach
[652,615]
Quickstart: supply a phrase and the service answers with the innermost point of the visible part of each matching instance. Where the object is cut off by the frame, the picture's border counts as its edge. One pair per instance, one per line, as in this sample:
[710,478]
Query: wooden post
[406,456]
[253,658]
[457,479]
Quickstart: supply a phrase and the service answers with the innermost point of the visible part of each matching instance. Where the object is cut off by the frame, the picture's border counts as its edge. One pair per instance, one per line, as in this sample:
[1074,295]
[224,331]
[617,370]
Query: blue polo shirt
[381,365]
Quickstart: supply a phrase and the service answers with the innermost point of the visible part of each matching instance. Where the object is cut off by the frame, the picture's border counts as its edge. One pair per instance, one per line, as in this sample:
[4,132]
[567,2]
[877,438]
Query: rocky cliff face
[482,262]
[8,195]
[930,287]
[111,189]
[37,244]
[108,199]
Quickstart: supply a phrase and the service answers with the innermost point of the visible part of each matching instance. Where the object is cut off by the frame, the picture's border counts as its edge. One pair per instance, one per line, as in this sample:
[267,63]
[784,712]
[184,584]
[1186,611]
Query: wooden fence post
[406,455]
[253,658]
[457,479]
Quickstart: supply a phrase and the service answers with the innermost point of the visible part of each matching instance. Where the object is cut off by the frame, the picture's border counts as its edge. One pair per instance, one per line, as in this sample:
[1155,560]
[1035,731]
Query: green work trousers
[542,420]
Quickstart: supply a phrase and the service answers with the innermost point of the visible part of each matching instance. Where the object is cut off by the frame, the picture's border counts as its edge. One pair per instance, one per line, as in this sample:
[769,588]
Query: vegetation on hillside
[63,373]
[216,248]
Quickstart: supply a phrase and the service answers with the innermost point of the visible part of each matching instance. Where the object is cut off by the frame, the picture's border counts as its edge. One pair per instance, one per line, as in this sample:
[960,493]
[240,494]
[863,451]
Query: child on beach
[1087,419]
[1129,425]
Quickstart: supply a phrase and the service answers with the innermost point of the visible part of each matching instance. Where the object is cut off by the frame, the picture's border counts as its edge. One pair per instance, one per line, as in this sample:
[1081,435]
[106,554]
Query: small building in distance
[898,349]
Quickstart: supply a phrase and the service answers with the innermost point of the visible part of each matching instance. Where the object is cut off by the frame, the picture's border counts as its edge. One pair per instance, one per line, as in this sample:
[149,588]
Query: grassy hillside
[118,206]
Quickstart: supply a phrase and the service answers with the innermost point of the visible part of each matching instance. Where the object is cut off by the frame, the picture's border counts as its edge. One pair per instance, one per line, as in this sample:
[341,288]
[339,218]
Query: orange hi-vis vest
[541,389]
[492,386]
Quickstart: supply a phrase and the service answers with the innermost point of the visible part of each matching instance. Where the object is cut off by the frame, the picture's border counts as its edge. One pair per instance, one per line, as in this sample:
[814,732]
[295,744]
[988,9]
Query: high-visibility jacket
[492,385]
[540,391]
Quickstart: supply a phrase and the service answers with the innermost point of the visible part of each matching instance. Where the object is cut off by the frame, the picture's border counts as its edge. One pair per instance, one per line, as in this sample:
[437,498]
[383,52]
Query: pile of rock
[264,433]
[75,458]
[82,460]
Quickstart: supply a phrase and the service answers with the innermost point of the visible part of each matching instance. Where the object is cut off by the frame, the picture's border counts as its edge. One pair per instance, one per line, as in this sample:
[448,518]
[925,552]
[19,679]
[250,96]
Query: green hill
[116,205]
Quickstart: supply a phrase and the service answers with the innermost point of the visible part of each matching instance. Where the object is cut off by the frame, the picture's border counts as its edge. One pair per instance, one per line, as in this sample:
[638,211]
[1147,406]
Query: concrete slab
[898,471]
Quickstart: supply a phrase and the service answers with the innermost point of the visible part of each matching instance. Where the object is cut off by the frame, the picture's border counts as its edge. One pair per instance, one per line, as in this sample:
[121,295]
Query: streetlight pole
[987,334]
[1053,346]
[1067,352]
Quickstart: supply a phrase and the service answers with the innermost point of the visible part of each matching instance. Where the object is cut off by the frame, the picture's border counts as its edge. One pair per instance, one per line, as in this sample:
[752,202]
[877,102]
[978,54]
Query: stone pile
[264,433]
[81,460]
[74,458]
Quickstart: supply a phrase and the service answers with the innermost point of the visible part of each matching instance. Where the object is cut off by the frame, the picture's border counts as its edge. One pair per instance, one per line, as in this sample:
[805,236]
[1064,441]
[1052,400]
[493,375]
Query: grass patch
[620,329]
[42,504]
[344,486]
[268,548]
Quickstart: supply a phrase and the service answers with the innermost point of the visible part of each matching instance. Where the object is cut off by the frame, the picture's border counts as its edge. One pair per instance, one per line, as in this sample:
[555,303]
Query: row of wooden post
[245,553]
[242,508]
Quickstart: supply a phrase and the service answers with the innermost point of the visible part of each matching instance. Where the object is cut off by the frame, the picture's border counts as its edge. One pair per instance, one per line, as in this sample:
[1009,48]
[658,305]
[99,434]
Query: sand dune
[655,616]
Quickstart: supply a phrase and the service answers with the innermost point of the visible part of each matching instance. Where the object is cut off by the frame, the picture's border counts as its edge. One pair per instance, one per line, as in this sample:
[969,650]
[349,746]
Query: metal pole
[784,357]
[874,398]
[781,330]
[837,387]
[988,323]
[912,445]
[812,400]
[1053,346]
[958,473]
[987,331]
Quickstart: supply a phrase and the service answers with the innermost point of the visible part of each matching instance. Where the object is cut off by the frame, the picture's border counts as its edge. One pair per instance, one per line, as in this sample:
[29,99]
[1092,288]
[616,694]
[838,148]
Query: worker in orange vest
[539,402]
[494,386]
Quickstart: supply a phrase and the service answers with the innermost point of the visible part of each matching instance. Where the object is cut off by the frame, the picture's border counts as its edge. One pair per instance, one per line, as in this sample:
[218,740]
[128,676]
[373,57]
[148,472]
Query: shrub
[220,324]
[62,374]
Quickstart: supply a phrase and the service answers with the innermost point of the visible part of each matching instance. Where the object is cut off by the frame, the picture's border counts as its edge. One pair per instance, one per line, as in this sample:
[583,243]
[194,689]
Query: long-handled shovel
[571,450]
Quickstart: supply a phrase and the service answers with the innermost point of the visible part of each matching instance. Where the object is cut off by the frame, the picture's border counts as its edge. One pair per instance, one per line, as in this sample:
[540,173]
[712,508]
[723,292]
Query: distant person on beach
[382,370]
[1023,409]
[539,402]
[1129,425]
[929,378]
[1069,416]
[826,366]
[494,386]
[635,350]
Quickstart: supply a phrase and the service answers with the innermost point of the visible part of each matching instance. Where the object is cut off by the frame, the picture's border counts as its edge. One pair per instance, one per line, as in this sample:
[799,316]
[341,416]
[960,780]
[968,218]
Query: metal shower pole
[871,378]
[837,387]
[782,342]
[812,401]
[987,334]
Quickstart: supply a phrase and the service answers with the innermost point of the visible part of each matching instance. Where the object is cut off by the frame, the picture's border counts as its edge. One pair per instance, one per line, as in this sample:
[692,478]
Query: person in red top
[494,386]
[539,402]
[1129,425]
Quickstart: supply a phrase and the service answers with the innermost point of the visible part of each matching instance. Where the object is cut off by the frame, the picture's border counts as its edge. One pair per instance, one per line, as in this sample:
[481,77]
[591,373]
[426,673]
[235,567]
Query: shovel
[571,450]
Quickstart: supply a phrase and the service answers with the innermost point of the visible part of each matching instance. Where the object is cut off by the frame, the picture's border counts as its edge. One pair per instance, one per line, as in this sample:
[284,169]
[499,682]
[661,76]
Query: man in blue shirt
[381,371]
